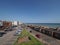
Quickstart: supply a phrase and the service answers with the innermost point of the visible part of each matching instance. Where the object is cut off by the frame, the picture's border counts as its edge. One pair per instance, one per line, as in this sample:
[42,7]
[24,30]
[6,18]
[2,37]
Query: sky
[30,11]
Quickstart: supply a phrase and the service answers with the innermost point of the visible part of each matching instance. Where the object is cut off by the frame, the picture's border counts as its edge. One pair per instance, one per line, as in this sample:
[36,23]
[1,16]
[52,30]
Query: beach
[50,25]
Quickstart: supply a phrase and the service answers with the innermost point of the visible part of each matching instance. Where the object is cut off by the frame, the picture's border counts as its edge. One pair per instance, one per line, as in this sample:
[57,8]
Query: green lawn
[33,40]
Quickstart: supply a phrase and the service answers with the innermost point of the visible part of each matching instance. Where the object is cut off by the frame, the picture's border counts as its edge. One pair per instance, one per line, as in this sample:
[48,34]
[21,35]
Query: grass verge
[33,40]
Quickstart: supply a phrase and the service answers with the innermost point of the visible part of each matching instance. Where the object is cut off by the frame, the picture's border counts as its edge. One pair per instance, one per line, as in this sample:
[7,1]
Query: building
[7,23]
[16,23]
[1,23]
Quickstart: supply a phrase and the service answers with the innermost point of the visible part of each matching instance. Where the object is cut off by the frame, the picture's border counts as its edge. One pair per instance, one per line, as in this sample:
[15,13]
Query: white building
[20,23]
[16,23]
[1,23]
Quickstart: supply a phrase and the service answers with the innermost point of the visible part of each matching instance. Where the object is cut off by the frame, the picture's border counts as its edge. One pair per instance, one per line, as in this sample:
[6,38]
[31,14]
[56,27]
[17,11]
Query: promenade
[45,39]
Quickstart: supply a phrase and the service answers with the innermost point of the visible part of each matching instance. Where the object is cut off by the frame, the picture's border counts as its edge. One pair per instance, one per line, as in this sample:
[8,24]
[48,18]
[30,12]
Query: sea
[51,25]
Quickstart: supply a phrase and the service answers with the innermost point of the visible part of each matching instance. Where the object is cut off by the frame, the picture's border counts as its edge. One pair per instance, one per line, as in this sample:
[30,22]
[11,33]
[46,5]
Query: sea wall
[53,32]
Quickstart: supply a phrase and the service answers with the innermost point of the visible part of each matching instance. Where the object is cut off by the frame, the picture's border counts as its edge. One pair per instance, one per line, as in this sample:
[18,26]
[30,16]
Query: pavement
[46,39]
[8,38]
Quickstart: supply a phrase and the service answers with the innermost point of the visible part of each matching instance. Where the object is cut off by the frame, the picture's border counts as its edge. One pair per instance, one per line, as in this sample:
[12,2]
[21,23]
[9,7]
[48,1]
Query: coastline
[50,25]
[53,32]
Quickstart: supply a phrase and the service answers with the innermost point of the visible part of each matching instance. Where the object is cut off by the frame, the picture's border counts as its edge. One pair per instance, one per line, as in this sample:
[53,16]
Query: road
[48,39]
[8,38]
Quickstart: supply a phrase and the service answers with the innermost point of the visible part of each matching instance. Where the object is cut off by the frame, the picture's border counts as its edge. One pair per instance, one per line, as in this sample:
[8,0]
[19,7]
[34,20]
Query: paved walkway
[8,39]
[47,39]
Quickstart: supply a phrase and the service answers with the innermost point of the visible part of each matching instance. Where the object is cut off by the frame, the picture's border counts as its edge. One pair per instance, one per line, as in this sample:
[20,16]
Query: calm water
[53,25]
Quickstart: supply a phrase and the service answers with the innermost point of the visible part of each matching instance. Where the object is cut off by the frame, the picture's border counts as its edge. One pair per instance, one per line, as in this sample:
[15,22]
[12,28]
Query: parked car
[6,30]
[38,35]
[17,32]
[1,34]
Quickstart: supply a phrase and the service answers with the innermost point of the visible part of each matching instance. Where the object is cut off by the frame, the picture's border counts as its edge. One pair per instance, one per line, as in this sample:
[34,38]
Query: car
[17,32]
[6,30]
[1,34]
[38,35]
[10,29]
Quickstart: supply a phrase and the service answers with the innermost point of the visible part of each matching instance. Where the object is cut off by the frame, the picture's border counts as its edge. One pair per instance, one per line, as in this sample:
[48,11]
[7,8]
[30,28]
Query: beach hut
[57,34]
